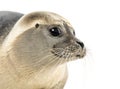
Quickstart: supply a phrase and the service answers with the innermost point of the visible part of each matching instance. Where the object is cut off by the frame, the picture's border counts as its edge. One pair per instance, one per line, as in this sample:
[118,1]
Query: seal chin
[81,54]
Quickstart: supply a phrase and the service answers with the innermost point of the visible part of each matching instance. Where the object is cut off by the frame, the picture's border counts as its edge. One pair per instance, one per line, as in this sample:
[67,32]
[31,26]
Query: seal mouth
[68,53]
[80,56]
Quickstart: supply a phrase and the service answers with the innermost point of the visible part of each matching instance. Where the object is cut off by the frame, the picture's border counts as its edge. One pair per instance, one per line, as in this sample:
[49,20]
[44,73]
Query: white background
[97,24]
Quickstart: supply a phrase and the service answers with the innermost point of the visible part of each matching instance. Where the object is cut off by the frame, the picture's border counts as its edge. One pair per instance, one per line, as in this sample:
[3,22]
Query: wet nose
[80,43]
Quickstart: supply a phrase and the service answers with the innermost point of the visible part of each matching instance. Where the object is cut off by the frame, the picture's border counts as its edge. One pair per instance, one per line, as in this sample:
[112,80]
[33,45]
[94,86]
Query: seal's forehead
[45,18]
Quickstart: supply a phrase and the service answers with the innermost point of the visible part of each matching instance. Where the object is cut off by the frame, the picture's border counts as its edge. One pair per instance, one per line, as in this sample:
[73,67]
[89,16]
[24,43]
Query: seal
[35,49]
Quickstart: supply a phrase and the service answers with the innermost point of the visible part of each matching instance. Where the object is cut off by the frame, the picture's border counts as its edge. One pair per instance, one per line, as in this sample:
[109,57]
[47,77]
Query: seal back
[7,21]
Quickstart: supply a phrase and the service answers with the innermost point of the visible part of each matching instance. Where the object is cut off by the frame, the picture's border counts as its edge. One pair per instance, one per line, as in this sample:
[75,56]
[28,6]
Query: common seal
[35,49]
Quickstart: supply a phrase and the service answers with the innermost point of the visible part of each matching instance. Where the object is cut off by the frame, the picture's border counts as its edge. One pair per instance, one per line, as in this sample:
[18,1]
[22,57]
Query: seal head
[44,33]
[36,50]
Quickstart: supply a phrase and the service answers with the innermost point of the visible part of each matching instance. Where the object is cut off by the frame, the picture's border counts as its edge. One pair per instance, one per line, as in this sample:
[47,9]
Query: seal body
[35,49]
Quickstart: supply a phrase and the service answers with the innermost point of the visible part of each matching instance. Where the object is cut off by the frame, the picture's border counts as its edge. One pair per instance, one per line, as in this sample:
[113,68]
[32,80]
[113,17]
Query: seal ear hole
[37,25]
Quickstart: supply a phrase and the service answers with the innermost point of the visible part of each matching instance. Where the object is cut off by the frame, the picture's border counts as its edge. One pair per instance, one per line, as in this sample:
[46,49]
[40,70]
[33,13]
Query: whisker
[51,61]
[62,60]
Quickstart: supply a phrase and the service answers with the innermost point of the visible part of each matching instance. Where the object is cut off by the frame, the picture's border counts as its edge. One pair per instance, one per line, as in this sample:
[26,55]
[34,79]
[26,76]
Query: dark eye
[55,31]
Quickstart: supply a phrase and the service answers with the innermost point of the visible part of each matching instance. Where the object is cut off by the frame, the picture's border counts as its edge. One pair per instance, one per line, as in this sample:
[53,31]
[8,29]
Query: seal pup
[35,49]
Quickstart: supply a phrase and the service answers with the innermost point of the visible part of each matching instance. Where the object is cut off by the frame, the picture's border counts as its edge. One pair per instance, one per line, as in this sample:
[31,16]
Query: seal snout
[81,49]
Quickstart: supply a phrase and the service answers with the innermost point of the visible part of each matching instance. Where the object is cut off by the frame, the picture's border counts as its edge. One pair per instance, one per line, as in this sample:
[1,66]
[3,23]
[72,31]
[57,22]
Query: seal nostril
[81,44]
